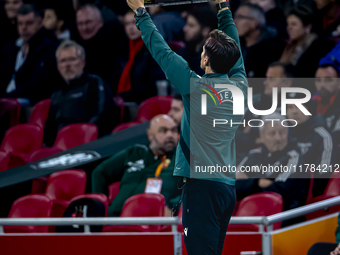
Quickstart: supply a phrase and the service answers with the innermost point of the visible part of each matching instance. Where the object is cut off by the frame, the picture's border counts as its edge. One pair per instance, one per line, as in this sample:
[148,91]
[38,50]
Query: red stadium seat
[119,101]
[260,204]
[4,161]
[153,106]
[63,186]
[141,205]
[42,153]
[12,106]
[113,191]
[20,141]
[32,206]
[40,113]
[97,196]
[332,190]
[75,134]
[39,184]
[126,125]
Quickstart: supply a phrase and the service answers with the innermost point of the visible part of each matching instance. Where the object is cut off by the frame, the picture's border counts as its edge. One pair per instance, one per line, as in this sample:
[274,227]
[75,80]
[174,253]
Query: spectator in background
[98,39]
[168,21]
[316,144]
[327,248]
[83,97]
[200,23]
[176,110]
[55,20]
[305,48]
[260,45]
[8,21]
[274,15]
[328,101]
[28,64]
[278,75]
[275,151]
[329,12]
[135,72]
[133,166]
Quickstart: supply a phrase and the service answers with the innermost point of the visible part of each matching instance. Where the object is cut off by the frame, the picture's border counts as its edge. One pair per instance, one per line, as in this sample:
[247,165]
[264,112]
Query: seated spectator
[305,48]
[109,16]
[168,21]
[8,21]
[135,72]
[176,110]
[274,16]
[98,39]
[316,144]
[133,166]
[278,75]
[329,12]
[327,101]
[83,97]
[275,151]
[200,23]
[55,20]
[327,248]
[260,44]
[28,64]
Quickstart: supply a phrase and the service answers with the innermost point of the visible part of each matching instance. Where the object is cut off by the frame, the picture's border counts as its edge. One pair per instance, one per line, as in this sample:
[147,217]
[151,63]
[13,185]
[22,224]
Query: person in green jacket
[327,248]
[208,195]
[134,165]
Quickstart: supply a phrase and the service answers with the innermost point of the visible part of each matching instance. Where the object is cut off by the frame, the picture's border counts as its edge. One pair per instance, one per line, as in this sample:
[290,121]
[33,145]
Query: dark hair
[256,12]
[28,8]
[288,69]
[222,50]
[304,13]
[334,66]
[205,17]
[178,97]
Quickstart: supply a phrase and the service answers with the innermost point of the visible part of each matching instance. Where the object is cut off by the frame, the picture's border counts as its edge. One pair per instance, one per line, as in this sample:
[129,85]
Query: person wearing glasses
[260,44]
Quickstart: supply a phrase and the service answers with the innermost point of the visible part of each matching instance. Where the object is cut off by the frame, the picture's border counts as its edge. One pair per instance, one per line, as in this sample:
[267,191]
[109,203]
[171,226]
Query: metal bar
[248,220]
[177,3]
[1,230]
[90,221]
[267,241]
[303,210]
[115,221]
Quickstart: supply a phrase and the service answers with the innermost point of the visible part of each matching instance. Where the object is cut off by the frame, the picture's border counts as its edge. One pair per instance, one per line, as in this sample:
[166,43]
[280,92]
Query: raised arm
[176,69]
[227,25]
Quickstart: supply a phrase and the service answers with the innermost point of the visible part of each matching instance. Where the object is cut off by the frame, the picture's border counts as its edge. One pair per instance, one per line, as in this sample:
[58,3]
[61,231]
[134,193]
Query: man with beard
[200,23]
[176,110]
[134,165]
[328,101]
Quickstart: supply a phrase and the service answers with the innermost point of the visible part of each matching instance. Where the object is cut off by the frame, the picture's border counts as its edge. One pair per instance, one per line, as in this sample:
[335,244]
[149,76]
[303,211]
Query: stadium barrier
[329,224]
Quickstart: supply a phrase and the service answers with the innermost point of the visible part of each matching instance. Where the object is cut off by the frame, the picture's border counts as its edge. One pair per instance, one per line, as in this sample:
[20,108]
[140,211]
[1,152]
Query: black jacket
[144,74]
[102,50]
[33,80]
[276,18]
[308,63]
[293,190]
[87,99]
[259,56]
[317,147]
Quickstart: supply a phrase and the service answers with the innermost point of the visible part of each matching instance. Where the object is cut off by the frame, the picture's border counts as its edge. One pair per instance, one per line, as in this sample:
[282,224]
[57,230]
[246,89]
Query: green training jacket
[132,167]
[209,146]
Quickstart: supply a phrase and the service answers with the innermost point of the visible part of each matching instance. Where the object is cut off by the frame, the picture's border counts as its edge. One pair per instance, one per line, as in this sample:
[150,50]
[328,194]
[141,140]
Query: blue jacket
[208,145]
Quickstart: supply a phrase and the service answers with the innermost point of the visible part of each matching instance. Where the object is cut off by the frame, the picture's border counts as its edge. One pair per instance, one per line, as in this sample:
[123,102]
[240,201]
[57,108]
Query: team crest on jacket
[135,166]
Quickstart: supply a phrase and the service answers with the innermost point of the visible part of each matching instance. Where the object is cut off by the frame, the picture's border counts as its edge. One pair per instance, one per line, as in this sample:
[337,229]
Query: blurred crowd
[84,53]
